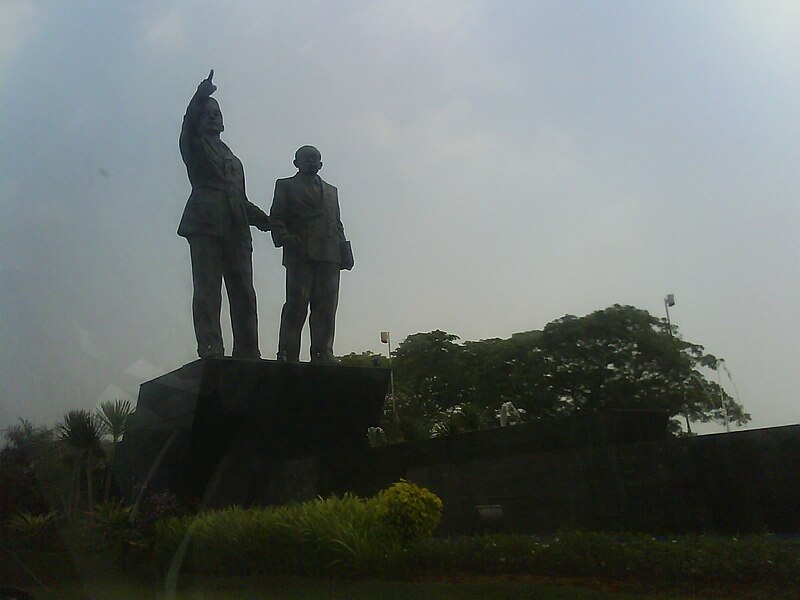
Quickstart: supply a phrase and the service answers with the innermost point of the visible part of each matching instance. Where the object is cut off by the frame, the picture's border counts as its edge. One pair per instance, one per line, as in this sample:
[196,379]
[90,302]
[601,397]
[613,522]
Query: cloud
[771,26]
[166,32]
[19,21]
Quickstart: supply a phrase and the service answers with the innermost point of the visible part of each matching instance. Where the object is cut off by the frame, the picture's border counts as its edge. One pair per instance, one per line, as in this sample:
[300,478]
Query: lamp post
[720,365]
[387,339]
[669,300]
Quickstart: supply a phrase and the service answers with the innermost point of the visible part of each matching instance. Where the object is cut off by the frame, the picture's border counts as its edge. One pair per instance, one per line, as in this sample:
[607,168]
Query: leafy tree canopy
[619,357]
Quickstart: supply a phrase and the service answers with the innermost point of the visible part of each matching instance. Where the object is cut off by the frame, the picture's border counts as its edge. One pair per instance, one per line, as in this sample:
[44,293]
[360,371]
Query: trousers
[214,259]
[316,284]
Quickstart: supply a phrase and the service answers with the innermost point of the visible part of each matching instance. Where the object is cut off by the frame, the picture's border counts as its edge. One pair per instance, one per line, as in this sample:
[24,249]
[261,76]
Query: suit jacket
[310,213]
[218,204]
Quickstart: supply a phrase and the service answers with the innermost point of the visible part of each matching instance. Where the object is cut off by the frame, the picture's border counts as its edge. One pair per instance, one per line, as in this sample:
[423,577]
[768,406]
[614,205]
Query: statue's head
[308,160]
[211,123]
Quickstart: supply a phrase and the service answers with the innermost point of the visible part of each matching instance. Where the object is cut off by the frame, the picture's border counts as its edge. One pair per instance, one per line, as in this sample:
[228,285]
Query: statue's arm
[278,215]
[339,225]
[195,110]
[346,256]
[255,216]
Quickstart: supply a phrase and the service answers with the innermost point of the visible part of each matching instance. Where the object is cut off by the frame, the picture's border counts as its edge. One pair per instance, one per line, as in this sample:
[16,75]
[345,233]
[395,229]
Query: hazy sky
[499,164]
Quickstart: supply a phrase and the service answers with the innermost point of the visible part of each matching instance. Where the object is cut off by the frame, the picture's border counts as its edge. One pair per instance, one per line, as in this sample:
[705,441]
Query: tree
[364,359]
[428,370]
[410,424]
[623,357]
[620,357]
[113,416]
[82,431]
[22,460]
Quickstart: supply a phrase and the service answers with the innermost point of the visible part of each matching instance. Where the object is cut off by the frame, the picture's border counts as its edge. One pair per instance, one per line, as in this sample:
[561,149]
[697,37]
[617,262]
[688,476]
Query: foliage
[114,530]
[82,431]
[412,510]
[613,556]
[292,540]
[339,536]
[332,537]
[28,452]
[113,416]
[156,506]
[30,525]
[24,435]
[623,357]
[617,358]
[111,516]
[33,530]
[365,359]
[428,371]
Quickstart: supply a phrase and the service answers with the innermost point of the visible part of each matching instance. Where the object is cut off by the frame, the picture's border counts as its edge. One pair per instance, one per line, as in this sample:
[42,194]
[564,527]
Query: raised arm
[197,105]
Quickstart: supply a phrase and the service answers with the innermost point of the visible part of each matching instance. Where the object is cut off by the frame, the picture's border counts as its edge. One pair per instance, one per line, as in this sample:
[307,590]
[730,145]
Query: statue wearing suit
[216,222]
[305,221]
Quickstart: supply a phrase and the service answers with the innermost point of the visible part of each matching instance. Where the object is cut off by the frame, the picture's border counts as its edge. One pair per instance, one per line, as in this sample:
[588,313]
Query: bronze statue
[305,221]
[216,222]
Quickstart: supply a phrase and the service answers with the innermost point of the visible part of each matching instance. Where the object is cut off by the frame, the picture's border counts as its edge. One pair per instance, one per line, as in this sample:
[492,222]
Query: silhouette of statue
[216,222]
[306,222]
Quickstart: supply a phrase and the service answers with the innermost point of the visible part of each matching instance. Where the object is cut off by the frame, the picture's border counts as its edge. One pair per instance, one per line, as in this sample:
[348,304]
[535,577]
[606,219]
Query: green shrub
[338,537]
[700,558]
[413,511]
[32,530]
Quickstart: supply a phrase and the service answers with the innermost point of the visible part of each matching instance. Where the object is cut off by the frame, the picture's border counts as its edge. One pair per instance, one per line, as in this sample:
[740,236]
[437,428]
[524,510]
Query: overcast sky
[499,164]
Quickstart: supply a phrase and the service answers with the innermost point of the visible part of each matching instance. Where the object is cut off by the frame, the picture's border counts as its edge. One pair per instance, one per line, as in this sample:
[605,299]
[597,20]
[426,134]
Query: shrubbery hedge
[389,536]
[700,558]
[345,536]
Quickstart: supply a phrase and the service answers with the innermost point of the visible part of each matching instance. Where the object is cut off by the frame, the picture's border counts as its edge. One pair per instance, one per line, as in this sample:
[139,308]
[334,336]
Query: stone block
[241,432]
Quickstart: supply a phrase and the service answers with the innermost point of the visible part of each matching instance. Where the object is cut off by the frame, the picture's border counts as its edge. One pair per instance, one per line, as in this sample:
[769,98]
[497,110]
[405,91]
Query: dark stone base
[614,471]
[247,432]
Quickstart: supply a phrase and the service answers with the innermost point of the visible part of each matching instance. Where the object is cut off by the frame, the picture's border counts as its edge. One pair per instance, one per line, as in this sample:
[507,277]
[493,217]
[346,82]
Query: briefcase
[346,255]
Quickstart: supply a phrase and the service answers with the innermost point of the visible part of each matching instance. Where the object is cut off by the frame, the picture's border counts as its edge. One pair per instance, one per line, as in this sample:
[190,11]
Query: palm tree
[82,431]
[114,417]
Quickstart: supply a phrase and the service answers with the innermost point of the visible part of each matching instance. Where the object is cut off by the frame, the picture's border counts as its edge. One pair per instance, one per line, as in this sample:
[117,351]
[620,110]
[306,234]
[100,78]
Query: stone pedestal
[246,432]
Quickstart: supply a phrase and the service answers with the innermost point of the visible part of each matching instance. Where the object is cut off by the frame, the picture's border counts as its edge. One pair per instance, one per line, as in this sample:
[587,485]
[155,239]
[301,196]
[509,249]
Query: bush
[156,506]
[413,511]
[32,530]
[339,536]
[707,559]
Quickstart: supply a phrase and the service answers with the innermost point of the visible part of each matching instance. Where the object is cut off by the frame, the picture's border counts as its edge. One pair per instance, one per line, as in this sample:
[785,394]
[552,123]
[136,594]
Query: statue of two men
[305,221]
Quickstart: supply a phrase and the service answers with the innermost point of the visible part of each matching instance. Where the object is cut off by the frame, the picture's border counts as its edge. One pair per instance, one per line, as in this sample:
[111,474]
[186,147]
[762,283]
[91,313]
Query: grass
[250,588]
[101,578]
[337,552]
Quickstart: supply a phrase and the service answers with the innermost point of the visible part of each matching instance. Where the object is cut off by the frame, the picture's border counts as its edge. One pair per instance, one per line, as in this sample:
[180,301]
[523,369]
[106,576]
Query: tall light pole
[720,365]
[387,339]
[669,300]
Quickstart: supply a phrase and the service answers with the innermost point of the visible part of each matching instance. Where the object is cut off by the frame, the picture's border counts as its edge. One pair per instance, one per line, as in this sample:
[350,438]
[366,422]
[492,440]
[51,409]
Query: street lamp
[721,365]
[669,300]
[387,339]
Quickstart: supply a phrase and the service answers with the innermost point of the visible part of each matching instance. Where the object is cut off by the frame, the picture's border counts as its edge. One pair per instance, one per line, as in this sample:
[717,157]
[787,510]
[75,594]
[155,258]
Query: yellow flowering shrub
[411,510]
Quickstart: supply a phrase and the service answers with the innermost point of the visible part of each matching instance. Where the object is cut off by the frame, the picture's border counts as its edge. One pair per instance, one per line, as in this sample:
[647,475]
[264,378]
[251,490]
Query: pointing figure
[216,222]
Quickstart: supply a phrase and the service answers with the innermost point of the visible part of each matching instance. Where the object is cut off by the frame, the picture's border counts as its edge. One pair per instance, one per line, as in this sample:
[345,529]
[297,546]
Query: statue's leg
[299,278]
[238,272]
[324,300]
[206,252]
